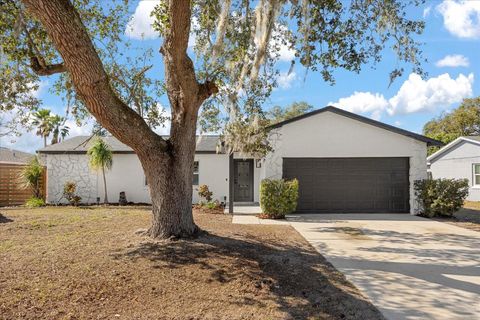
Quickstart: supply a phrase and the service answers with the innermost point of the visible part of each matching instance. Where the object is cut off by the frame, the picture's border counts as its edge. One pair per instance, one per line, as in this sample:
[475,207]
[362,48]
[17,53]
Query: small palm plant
[31,177]
[100,158]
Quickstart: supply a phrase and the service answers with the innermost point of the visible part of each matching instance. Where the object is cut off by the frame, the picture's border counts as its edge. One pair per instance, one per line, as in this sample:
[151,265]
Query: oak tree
[237,45]
[463,121]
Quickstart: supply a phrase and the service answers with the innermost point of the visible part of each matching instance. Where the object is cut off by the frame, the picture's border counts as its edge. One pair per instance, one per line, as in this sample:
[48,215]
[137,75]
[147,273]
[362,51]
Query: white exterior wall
[126,175]
[326,134]
[457,163]
[331,135]
[213,171]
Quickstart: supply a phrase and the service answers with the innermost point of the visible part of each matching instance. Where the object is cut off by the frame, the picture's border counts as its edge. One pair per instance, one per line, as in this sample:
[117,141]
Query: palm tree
[60,130]
[100,158]
[31,177]
[43,121]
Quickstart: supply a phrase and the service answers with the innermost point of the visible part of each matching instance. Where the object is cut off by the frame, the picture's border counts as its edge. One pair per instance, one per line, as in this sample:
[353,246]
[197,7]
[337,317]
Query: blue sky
[451,37]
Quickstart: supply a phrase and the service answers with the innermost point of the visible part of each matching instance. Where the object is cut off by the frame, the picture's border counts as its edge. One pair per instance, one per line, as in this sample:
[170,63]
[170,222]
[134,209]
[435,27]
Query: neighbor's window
[476,174]
[195,173]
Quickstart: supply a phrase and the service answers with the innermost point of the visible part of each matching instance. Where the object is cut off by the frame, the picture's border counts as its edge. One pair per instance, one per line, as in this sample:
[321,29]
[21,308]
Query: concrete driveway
[409,267]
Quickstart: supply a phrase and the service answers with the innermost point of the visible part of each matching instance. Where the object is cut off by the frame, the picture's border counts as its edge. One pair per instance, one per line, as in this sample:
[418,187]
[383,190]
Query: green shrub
[34,202]
[440,197]
[31,177]
[278,197]
[204,192]
[211,204]
[69,189]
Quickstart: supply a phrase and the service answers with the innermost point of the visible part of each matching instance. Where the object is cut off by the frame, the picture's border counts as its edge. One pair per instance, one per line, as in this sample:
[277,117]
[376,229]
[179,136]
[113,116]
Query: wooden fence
[11,191]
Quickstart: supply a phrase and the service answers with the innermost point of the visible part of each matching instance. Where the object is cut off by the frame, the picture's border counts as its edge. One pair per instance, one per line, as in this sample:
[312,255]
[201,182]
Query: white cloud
[415,95]
[426,11]
[455,60]
[75,130]
[397,123]
[140,25]
[285,53]
[285,79]
[28,141]
[363,102]
[461,18]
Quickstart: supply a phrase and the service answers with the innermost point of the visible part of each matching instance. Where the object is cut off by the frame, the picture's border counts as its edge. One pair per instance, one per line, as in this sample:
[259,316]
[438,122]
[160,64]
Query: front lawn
[469,216]
[89,263]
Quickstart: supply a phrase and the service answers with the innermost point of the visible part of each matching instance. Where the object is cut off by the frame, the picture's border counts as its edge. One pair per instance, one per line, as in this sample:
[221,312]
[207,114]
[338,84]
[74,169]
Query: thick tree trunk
[168,164]
[170,181]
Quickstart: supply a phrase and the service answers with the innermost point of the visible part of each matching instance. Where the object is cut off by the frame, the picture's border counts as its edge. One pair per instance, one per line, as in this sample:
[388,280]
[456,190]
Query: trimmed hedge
[441,197]
[278,197]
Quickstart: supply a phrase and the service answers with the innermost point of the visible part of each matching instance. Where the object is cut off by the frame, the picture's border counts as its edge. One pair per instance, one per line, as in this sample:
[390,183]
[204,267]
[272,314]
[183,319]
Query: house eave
[114,152]
[447,147]
[427,140]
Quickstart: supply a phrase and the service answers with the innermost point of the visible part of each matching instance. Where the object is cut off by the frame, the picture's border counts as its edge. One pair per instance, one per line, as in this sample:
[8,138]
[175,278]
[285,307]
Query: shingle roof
[470,139]
[429,141]
[14,156]
[80,144]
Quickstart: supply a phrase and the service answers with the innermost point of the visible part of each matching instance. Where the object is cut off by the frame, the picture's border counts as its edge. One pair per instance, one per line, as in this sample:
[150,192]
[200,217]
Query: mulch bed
[217,210]
[268,216]
[74,263]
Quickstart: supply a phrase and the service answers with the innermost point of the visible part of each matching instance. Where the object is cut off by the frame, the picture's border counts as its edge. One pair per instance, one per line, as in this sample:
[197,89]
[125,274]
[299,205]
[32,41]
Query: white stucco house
[460,159]
[344,163]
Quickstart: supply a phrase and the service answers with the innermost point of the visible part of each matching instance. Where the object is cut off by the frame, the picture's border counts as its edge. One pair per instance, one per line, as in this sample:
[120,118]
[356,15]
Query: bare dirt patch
[88,263]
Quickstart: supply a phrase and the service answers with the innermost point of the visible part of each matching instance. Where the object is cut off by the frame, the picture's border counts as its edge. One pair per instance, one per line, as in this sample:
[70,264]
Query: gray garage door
[350,184]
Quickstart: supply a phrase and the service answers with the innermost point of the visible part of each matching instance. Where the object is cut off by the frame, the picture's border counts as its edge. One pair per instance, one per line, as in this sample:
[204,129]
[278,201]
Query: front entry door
[243,180]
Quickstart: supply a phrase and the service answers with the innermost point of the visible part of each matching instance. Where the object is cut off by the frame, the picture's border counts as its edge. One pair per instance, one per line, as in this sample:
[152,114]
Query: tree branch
[179,69]
[46,70]
[207,89]
[70,37]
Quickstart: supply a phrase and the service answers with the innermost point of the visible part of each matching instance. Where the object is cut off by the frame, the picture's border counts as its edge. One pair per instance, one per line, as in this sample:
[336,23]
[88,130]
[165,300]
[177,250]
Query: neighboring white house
[344,163]
[459,159]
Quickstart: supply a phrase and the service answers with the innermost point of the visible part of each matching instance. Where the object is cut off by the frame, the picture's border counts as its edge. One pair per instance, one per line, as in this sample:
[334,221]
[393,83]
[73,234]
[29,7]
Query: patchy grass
[89,263]
[467,217]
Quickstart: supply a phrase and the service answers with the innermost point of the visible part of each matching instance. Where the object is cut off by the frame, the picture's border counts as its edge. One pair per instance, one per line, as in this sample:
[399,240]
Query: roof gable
[363,119]
[14,156]
[475,140]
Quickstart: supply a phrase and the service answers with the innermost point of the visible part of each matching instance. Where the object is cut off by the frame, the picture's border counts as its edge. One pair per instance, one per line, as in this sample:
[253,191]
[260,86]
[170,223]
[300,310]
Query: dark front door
[350,184]
[243,180]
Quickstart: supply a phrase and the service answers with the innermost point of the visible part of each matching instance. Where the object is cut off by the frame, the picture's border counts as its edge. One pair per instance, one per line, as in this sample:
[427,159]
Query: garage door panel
[350,184]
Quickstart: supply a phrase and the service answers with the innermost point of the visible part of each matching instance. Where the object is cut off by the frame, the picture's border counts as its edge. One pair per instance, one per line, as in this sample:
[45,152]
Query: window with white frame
[476,174]
[195,173]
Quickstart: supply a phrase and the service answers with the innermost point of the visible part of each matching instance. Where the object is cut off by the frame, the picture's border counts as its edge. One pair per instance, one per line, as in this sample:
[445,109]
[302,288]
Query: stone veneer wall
[70,167]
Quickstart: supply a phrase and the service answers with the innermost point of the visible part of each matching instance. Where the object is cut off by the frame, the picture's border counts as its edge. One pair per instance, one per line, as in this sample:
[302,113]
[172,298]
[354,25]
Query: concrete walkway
[409,267]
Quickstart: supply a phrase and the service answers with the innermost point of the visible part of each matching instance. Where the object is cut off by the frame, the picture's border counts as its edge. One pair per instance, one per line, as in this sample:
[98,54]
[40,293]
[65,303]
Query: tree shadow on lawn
[296,278]
[4,219]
